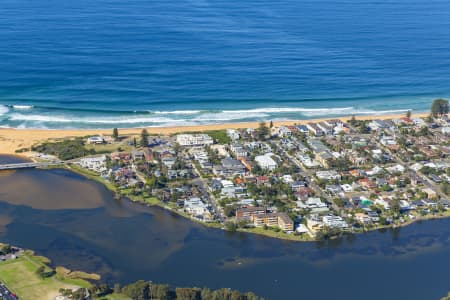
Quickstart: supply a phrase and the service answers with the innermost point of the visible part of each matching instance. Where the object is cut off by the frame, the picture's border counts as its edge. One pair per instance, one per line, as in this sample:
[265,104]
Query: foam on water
[92,120]
[177,112]
[47,119]
[22,107]
[3,110]
[291,110]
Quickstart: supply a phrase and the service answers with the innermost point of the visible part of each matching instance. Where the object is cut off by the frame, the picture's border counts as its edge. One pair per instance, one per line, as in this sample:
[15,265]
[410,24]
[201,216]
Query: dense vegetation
[67,149]
[263,131]
[142,290]
[219,136]
[6,249]
[439,108]
[144,138]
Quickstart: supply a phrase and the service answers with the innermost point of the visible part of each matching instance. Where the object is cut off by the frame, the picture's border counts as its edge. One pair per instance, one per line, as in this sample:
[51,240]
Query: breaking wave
[46,118]
[22,107]
[3,110]
[177,112]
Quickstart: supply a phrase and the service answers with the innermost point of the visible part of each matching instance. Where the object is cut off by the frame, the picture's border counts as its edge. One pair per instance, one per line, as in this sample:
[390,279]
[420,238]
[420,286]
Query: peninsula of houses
[300,182]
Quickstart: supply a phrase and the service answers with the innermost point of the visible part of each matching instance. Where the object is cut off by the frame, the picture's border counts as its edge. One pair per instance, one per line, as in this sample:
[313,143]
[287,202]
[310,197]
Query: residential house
[314,129]
[194,140]
[238,150]
[233,134]
[333,221]
[328,175]
[266,161]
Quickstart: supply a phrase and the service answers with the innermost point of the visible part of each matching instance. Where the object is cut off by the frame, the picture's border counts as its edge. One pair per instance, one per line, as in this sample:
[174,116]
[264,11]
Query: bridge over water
[28,165]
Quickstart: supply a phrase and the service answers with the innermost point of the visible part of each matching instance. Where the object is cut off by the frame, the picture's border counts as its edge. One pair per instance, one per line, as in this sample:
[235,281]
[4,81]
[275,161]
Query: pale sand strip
[13,139]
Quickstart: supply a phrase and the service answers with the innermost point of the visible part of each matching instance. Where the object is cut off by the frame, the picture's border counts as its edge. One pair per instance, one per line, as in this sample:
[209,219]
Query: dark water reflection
[92,231]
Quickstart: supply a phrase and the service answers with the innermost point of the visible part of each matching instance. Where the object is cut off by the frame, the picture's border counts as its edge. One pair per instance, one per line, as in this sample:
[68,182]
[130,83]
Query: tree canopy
[263,131]
[439,108]
[144,138]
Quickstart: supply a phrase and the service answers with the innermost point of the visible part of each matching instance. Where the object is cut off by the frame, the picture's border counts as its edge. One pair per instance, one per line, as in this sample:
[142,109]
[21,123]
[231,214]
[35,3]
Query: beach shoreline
[12,139]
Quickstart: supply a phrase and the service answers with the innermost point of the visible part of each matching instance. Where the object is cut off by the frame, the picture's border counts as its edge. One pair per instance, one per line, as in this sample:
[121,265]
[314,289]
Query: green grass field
[20,276]
[116,297]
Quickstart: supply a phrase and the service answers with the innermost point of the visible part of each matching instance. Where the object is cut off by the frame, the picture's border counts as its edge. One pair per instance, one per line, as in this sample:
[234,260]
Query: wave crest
[3,110]
[38,118]
[22,107]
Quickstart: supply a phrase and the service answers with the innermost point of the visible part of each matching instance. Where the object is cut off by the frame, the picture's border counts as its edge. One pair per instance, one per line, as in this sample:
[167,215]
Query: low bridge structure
[28,165]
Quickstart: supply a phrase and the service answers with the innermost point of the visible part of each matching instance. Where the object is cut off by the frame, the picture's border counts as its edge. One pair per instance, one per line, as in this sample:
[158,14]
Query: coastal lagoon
[113,63]
[79,224]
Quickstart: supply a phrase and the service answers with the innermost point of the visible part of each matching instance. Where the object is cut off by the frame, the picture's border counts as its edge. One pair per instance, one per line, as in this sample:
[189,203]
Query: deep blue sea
[107,63]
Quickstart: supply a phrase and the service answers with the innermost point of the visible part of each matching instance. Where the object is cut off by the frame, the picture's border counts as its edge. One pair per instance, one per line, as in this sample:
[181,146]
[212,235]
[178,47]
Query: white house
[347,188]
[396,169]
[266,161]
[97,164]
[239,150]
[328,175]
[195,206]
[194,140]
[334,221]
[314,204]
[233,134]
[446,130]
[95,140]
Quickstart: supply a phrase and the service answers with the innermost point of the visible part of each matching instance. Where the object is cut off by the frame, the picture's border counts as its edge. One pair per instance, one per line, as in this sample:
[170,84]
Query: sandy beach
[13,139]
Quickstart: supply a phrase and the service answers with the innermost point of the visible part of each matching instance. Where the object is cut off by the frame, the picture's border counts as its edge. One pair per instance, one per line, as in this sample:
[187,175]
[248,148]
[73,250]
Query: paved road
[425,180]
[204,186]
[27,165]
[6,294]
[308,176]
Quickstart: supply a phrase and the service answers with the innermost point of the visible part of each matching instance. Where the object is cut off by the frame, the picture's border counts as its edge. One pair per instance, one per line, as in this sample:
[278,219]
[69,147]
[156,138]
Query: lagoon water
[106,63]
[78,223]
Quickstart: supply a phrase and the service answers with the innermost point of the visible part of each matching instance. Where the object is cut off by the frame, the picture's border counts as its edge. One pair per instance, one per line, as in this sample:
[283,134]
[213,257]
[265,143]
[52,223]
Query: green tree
[263,131]
[230,226]
[236,295]
[222,293]
[439,108]
[408,114]
[446,297]
[252,296]
[339,202]
[445,188]
[395,206]
[207,294]
[140,290]
[65,150]
[160,291]
[229,210]
[144,138]
[187,293]
[424,131]
[6,249]
[41,271]
[116,134]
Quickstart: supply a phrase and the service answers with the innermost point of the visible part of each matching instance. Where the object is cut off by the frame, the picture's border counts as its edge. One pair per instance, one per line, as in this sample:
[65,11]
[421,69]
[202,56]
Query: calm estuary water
[77,223]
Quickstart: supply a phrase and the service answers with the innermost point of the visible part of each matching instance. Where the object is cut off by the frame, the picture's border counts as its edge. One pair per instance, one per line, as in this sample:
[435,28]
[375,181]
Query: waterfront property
[335,170]
[94,237]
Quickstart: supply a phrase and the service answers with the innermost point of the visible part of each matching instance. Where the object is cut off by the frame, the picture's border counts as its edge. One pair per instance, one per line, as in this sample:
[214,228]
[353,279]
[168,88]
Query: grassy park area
[20,275]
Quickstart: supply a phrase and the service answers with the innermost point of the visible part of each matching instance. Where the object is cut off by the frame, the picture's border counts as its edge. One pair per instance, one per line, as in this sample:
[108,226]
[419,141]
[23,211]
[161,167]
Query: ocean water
[107,63]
